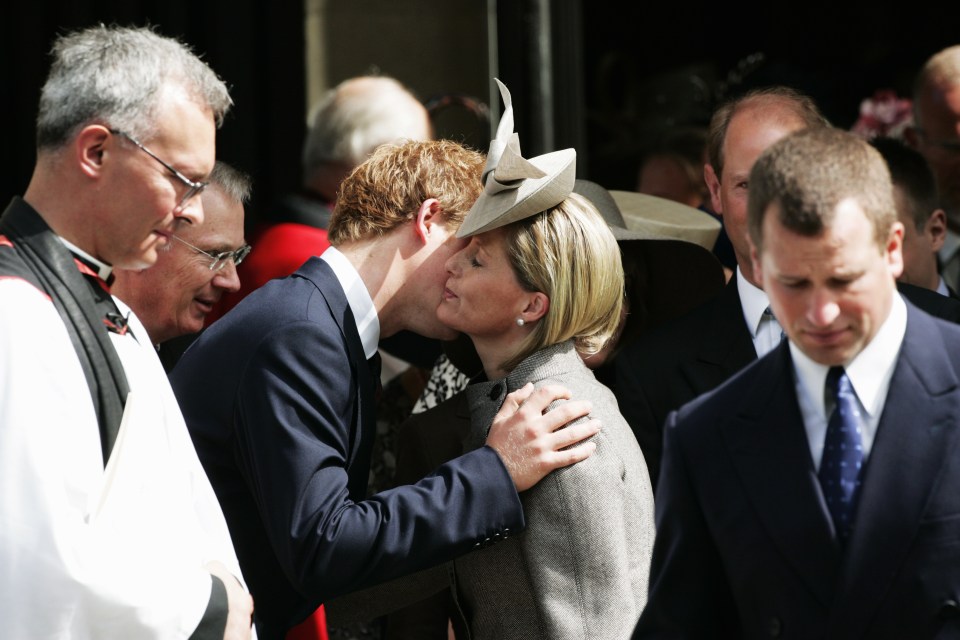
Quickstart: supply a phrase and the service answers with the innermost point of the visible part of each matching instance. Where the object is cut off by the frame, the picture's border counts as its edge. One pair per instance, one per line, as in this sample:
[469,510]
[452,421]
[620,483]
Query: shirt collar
[361,304]
[869,372]
[942,287]
[101,268]
[951,244]
[754,302]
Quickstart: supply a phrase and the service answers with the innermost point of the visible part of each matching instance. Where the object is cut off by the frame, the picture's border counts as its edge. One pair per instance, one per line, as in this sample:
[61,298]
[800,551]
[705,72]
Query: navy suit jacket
[279,400]
[698,353]
[745,546]
[678,362]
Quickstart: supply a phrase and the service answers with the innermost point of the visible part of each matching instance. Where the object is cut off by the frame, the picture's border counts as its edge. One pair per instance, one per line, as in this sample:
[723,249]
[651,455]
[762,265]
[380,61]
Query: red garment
[313,628]
[278,251]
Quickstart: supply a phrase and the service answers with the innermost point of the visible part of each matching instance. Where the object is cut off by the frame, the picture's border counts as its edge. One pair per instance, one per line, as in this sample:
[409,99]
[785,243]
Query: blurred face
[831,293]
[173,297]
[919,254]
[483,297]
[751,131]
[144,197]
[939,142]
[662,176]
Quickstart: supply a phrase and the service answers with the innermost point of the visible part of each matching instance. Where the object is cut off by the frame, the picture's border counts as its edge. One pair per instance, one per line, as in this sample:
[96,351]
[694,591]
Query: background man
[346,125]
[671,366]
[279,396]
[108,525]
[936,134]
[173,297]
[924,225]
[808,495]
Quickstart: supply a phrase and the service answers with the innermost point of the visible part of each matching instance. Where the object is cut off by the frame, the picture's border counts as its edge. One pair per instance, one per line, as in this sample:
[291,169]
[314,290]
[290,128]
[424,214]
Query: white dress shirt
[358,298]
[869,372]
[764,329]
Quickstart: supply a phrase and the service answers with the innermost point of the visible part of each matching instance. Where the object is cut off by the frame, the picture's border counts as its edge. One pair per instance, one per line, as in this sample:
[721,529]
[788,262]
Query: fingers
[539,399]
[513,400]
[566,412]
[574,434]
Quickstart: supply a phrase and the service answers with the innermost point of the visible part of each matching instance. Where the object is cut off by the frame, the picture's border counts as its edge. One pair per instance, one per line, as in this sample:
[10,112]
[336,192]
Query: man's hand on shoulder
[530,440]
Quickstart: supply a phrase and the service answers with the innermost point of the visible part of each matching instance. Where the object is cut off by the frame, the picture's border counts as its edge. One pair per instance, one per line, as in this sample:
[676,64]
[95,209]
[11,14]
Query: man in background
[173,297]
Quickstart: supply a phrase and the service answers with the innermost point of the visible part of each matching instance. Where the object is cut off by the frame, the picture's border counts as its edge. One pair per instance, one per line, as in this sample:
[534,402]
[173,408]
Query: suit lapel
[768,444]
[361,437]
[726,347]
[915,435]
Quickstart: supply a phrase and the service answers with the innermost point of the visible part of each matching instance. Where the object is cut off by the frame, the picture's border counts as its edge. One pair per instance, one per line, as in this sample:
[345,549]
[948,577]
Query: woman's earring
[520,322]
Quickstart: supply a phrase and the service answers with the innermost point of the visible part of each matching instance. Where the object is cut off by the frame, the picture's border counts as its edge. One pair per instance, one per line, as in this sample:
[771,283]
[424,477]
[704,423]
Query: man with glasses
[173,297]
[936,135]
[109,527]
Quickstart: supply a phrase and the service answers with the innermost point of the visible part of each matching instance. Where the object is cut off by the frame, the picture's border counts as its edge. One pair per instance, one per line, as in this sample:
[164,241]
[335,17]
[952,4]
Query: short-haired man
[696,353]
[108,524]
[173,297]
[924,224]
[348,122]
[279,396]
[815,494]
[936,134]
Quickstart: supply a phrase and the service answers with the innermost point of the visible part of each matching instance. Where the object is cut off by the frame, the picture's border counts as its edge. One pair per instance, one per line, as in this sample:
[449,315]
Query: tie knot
[837,385]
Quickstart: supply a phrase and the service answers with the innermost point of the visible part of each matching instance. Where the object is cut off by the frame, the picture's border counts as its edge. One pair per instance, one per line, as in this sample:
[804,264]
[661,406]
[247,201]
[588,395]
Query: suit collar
[361,304]
[727,341]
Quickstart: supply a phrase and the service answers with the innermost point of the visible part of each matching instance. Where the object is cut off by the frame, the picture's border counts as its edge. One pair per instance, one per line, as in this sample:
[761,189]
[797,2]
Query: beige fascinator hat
[515,188]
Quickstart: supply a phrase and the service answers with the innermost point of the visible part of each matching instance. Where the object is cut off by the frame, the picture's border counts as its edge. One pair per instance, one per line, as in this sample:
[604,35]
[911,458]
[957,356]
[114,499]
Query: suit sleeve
[689,596]
[296,442]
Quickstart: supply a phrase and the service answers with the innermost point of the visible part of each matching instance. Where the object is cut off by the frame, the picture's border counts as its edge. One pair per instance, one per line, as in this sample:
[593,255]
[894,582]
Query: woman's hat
[677,273]
[659,217]
[515,188]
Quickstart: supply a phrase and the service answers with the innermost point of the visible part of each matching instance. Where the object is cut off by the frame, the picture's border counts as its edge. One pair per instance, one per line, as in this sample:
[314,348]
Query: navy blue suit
[745,546]
[280,402]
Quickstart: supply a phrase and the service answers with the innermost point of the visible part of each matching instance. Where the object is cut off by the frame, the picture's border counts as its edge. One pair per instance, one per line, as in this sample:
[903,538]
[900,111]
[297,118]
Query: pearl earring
[520,322]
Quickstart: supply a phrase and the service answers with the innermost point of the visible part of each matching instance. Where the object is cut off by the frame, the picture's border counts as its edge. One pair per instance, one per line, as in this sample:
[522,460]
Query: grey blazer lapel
[915,437]
[768,444]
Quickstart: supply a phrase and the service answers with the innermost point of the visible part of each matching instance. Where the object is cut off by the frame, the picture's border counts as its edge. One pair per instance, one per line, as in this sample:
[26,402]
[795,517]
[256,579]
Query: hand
[239,604]
[530,441]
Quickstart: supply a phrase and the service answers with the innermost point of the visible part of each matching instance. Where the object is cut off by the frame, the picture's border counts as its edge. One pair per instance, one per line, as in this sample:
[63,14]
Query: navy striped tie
[840,467]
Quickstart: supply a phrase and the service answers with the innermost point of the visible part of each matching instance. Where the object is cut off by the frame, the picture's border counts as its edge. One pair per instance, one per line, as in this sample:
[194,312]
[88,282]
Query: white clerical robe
[88,552]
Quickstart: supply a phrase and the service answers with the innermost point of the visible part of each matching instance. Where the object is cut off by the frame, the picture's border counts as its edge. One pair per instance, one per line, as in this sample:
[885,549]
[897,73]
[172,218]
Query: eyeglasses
[950,146]
[193,188]
[219,260]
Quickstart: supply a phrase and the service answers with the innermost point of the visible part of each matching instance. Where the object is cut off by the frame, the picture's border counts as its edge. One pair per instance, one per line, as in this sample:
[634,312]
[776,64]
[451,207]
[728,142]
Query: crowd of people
[732,415]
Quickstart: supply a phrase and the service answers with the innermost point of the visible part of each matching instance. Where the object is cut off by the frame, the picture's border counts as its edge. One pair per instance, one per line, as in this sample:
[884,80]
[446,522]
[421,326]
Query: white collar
[754,302]
[103,269]
[361,304]
[942,287]
[951,244]
[869,372]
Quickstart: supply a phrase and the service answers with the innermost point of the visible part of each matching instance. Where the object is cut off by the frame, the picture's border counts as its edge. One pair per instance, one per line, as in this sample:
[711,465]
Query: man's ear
[537,307]
[894,249]
[936,229]
[427,216]
[713,185]
[90,148]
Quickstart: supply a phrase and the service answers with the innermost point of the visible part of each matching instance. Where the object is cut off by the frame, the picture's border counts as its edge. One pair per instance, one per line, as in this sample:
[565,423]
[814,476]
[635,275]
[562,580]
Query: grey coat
[581,566]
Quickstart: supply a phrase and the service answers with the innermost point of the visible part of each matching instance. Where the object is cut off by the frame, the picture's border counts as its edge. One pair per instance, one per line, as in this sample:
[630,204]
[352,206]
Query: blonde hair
[569,254]
[387,190]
